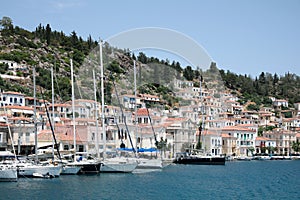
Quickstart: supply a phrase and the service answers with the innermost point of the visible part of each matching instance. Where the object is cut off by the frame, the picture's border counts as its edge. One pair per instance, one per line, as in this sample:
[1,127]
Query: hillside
[45,49]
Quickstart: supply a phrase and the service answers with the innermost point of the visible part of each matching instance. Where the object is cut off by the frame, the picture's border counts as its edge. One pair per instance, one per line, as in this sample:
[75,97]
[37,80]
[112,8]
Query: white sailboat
[8,173]
[116,164]
[87,165]
[145,164]
[8,169]
[30,169]
[67,168]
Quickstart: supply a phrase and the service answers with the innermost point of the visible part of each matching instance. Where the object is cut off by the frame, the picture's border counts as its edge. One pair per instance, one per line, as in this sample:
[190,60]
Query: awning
[22,111]
[28,112]
[17,110]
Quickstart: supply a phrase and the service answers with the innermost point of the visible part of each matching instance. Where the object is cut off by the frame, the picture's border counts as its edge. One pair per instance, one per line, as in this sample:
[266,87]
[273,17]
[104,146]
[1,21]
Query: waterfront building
[265,145]
[228,144]
[245,139]
[284,139]
[183,133]
[212,141]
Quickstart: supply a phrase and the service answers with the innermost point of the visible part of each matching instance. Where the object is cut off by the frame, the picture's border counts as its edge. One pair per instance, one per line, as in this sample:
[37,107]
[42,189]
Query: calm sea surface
[235,180]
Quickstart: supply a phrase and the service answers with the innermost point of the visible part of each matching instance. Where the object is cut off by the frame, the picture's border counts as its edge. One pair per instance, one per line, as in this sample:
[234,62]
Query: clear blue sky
[243,36]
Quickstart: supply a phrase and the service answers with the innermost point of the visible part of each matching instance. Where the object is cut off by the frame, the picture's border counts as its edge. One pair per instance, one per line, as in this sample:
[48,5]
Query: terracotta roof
[175,119]
[236,128]
[142,112]
[262,139]
[15,93]
[19,107]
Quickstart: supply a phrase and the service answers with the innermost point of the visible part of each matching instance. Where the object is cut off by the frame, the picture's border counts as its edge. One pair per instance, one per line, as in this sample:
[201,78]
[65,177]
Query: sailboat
[35,169]
[143,164]
[8,173]
[8,169]
[66,169]
[88,165]
[118,164]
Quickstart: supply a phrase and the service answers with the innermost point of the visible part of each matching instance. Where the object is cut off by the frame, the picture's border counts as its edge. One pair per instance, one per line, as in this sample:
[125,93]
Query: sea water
[235,180]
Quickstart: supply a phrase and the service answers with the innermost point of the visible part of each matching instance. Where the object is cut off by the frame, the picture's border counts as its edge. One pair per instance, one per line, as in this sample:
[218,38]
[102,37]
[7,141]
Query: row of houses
[226,126]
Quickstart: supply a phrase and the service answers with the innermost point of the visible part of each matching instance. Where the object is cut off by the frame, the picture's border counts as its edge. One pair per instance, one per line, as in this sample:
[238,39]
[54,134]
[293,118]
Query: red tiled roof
[142,112]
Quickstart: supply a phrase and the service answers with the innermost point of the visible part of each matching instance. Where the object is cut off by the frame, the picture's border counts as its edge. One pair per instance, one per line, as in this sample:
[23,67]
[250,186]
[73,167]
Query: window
[27,138]
[93,136]
[1,137]
[81,149]
[15,100]
[10,99]
[21,100]
[66,147]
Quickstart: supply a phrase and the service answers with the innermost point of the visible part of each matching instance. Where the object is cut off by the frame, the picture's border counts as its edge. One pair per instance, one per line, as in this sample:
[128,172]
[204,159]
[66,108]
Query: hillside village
[227,127]
[194,115]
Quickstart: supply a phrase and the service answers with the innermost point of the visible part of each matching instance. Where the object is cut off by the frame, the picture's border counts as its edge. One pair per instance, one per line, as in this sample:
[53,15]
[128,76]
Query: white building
[12,98]
[245,139]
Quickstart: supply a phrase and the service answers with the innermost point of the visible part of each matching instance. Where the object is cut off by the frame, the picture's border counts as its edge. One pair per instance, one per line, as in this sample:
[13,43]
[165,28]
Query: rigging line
[49,120]
[9,130]
[122,113]
[118,127]
[151,125]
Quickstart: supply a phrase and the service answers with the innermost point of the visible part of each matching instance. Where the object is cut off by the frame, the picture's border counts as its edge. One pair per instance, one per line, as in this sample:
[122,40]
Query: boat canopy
[139,150]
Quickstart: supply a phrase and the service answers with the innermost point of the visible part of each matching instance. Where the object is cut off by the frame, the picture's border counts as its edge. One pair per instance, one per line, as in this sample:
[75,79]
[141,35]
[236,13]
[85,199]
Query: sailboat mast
[102,99]
[135,104]
[73,107]
[96,116]
[53,123]
[202,112]
[34,116]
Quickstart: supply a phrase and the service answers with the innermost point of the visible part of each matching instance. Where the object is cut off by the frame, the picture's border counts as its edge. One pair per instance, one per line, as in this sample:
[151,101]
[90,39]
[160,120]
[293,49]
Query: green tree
[142,58]
[296,146]
[48,34]
[161,145]
[6,23]
[188,73]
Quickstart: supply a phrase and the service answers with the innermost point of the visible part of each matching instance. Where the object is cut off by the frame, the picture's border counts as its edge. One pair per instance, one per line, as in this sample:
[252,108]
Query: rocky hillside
[45,49]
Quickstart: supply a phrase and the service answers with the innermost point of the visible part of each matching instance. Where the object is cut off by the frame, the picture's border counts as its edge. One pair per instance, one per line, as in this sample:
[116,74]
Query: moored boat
[118,165]
[28,169]
[8,173]
[184,158]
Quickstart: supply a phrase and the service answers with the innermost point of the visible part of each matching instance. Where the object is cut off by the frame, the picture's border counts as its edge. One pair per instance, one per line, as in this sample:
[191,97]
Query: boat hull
[88,167]
[30,170]
[7,175]
[117,168]
[201,160]
[70,170]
